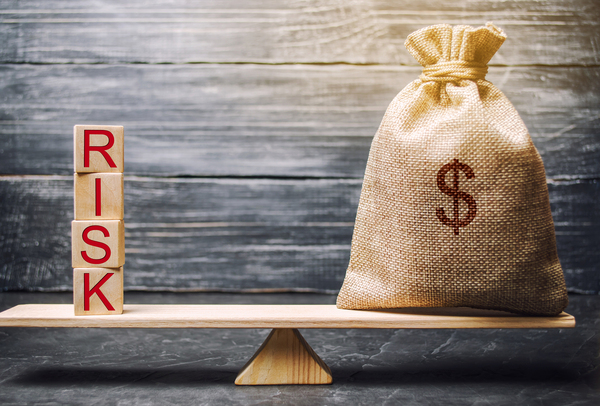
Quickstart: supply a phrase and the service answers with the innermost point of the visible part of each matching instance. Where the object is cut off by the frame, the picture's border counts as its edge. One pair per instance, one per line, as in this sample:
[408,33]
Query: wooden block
[99,196]
[97,291]
[285,358]
[98,243]
[98,148]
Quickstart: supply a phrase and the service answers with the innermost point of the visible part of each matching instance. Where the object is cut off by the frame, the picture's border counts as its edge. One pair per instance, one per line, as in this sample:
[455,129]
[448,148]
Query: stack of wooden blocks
[98,231]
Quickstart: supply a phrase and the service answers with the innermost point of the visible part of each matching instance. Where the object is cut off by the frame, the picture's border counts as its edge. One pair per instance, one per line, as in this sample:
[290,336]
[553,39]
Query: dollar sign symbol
[456,223]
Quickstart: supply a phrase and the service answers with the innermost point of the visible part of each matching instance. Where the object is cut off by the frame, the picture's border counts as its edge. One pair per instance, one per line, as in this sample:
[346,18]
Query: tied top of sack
[454,53]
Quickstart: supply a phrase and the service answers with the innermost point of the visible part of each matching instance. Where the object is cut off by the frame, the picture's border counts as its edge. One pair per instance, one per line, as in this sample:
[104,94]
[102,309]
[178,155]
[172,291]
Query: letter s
[96,244]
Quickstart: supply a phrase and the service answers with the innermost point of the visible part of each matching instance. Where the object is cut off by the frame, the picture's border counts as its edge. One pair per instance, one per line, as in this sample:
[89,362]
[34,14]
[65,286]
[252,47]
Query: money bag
[454,207]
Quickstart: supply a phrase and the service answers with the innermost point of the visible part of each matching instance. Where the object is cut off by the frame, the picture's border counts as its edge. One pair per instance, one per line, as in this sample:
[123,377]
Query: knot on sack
[452,71]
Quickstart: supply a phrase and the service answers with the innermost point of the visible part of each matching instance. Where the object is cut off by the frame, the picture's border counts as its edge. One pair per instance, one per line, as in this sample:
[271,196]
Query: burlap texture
[454,208]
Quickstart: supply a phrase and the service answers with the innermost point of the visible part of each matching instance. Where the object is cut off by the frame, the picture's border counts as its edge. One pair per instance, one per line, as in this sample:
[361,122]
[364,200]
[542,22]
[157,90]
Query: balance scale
[285,357]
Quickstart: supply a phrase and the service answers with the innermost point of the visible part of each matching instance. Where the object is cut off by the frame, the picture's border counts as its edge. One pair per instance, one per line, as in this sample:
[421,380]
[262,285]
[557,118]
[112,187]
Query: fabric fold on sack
[454,209]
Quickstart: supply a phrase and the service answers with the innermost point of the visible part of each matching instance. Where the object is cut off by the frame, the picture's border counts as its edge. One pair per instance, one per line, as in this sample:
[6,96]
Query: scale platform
[285,357]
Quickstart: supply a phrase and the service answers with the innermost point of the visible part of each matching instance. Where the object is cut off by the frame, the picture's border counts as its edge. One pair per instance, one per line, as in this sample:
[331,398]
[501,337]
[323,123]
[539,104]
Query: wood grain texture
[106,245]
[248,120]
[290,31]
[262,89]
[275,316]
[99,196]
[285,358]
[237,234]
[101,152]
[102,296]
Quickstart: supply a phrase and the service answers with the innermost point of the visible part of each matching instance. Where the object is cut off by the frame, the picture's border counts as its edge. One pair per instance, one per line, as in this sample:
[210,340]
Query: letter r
[87,148]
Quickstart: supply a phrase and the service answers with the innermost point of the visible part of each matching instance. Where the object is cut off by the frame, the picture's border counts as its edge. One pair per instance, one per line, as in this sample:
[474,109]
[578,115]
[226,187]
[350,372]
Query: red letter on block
[98,197]
[97,244]
[87,148]
[87,293]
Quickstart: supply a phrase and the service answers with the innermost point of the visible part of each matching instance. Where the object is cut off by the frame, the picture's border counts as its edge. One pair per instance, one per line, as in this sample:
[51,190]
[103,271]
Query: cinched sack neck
[451,54]
[453,71]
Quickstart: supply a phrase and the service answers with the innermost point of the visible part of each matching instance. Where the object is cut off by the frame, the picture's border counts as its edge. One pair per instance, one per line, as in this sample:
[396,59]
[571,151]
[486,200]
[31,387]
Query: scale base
[285,358]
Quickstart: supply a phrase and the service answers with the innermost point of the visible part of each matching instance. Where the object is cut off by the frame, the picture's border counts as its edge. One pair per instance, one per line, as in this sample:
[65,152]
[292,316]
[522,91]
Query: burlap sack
[454,209]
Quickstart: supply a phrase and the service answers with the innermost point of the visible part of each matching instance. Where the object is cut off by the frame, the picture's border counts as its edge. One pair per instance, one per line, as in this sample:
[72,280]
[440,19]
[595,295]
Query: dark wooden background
[248,125]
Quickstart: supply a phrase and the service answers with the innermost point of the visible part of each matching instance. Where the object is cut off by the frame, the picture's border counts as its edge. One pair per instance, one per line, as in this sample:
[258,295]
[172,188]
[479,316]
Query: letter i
[98,197]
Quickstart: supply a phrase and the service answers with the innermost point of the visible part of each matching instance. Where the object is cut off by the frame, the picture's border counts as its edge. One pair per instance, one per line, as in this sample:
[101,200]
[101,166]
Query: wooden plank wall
[248,125]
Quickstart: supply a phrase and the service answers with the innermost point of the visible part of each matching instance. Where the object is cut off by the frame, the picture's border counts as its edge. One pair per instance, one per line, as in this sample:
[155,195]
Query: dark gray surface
[278,98]
[387,367]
